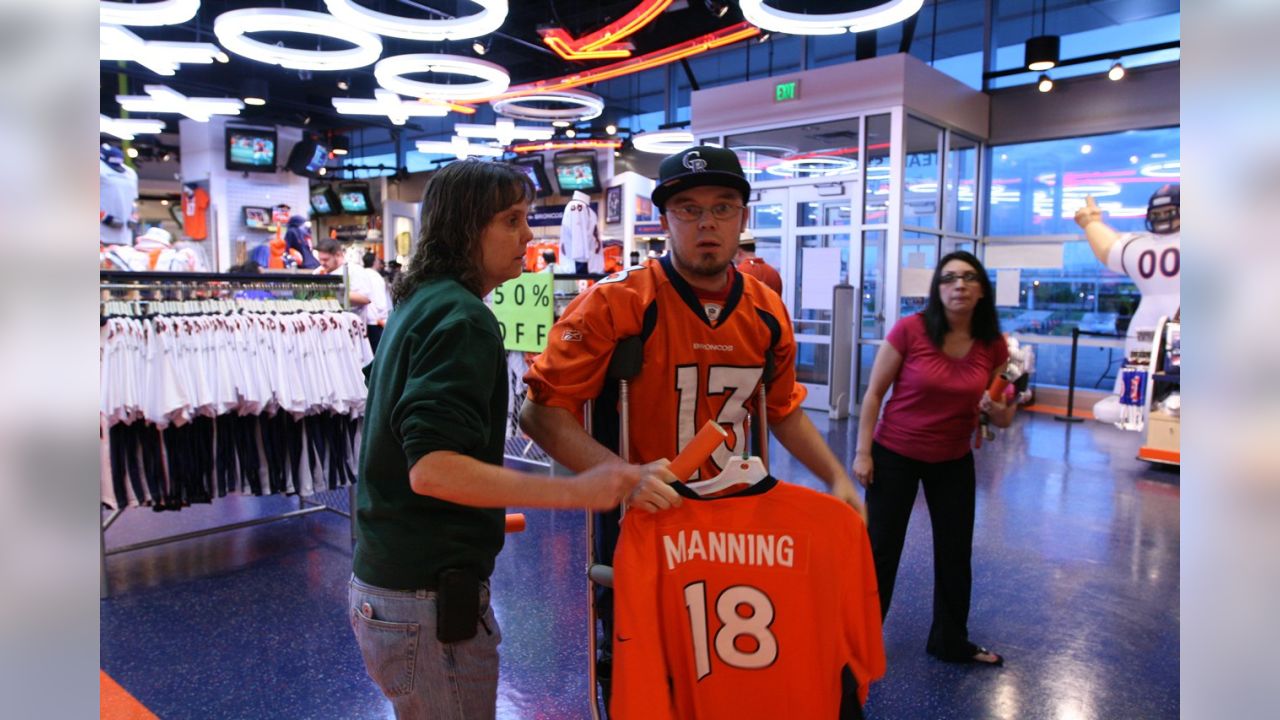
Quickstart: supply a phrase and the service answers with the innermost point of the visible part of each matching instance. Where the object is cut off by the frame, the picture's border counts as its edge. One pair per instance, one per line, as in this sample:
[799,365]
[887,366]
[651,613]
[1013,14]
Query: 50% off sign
[524,311]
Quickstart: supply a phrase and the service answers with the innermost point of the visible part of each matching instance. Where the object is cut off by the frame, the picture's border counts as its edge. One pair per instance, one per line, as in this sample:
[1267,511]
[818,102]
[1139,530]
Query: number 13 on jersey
[742,637]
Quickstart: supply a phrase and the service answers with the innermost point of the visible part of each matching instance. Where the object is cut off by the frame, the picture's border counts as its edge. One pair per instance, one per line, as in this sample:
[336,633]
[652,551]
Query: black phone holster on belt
[457,604]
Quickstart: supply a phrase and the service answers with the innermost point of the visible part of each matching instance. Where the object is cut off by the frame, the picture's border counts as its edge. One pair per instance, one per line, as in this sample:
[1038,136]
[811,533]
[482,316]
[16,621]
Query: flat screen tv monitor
[251,149]
[354,199]
[537,173]
[324,201]
[257,218]
[307,157]
[577,172]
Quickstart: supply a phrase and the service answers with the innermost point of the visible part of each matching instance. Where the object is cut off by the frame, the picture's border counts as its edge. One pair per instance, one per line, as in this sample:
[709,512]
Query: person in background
[751,264]
[366,294]
[275,254]
[392,273]
[373,262]
[382,295]
[431,494]
[939,363]
[298,238]
[249,267]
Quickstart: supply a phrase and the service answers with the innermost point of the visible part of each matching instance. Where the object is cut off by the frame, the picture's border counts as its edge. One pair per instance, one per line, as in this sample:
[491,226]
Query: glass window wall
[1035,190]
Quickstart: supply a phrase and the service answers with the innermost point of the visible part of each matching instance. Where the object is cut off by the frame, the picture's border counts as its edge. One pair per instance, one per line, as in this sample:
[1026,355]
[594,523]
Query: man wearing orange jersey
[709,332]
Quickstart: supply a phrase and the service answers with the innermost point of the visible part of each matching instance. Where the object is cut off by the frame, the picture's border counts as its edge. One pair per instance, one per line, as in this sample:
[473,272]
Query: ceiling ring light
[150,14]
[491,16]
[232,29]
[390,72]
[818,165]
[583,106]
[663,142]
[890,12]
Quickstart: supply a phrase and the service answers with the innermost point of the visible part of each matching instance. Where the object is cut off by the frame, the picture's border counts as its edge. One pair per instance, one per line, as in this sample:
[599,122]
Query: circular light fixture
[390,72]
[810,166]
[1080,190]
[663,142]
[1116,72]
[1045,83]
[491,16]
[610,129]
[582,106]
[560,123]
[777,151]
[758,13]
[571,133]
[132,152]
[152,14]
[222,57]
[1170,169]
[232,27]
[164,202]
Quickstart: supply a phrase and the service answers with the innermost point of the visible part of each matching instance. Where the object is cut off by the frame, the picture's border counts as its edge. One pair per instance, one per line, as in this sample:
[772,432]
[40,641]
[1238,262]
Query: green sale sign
[525,312]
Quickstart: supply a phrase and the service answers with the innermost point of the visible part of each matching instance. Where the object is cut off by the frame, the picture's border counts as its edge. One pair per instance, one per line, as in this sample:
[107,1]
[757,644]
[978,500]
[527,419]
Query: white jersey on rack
[1154,263]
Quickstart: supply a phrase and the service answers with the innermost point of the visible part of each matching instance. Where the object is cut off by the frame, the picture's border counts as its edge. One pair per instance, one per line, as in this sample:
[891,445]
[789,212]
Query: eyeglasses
[969,278]
[694,213]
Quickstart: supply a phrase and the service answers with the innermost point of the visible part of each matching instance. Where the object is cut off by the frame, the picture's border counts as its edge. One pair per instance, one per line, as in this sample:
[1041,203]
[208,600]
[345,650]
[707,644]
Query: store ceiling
[298,95]
[301,98]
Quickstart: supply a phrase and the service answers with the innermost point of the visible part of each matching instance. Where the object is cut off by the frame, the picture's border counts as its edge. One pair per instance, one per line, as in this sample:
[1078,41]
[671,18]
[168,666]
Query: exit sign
[783,92]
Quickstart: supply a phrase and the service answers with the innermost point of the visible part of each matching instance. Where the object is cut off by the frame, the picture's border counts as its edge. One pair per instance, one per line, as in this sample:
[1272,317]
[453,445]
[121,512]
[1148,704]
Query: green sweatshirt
[437,382]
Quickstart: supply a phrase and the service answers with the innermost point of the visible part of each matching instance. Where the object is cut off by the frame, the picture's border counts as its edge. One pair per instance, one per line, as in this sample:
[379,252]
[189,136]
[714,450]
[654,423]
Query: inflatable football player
[1152,259]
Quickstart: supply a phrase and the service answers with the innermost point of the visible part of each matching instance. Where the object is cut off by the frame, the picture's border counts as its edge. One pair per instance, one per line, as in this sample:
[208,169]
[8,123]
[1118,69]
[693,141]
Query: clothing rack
[210,286]
[214,284]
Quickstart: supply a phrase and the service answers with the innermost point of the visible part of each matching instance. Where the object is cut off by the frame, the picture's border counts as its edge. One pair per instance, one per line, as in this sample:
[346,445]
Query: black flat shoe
[979,656]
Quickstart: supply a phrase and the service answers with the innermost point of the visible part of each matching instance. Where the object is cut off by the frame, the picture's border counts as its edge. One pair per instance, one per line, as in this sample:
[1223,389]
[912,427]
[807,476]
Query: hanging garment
[758,604]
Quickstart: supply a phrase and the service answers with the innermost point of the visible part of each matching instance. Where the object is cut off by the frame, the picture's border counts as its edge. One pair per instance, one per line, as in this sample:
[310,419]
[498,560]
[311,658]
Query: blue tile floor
[1075,583]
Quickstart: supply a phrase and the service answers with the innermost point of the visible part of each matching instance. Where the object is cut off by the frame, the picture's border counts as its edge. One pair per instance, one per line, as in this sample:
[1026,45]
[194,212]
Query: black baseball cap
[699,166]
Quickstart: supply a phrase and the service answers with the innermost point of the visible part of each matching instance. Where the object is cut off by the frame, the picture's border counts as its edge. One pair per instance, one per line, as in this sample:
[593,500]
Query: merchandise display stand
[143,289]
[1164,436]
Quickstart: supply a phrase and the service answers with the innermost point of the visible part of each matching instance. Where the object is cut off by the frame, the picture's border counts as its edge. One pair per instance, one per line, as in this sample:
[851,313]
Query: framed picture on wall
[613,204]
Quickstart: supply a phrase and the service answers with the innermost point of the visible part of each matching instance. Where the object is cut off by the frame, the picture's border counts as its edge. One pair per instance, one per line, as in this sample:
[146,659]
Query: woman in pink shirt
[939,363]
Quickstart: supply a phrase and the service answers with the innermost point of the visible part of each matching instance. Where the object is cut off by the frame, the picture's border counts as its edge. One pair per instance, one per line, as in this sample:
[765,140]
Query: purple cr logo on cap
[694,161]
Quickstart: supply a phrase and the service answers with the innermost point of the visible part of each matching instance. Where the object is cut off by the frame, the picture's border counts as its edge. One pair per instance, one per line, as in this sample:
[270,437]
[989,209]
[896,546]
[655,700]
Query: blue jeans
[423,678]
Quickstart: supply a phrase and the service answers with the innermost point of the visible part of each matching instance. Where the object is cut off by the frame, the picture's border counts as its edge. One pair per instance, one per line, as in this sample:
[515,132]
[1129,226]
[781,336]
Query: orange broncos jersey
[692,371]
[759,604]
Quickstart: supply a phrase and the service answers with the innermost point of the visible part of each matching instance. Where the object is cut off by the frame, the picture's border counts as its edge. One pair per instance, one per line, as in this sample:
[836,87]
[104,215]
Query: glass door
[809,227]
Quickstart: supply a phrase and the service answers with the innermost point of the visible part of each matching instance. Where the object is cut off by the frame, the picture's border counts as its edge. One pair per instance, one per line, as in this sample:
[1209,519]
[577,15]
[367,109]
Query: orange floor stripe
[1168,456]
[115,703]
[1052,410]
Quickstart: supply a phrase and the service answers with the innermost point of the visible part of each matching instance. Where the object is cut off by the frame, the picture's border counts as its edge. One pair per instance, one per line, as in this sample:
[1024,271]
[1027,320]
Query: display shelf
[1163,440]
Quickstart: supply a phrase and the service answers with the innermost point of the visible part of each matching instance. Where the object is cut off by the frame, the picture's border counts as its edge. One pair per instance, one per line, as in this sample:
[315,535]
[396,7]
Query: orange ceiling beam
[710,41]
[605,42]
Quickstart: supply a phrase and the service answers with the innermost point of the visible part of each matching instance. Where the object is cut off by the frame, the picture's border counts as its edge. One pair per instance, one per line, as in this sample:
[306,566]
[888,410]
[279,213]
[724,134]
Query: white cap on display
[157,235]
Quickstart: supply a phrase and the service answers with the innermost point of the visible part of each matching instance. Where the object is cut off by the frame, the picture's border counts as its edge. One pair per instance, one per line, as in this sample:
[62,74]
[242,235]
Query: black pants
[949,491]
[375,334]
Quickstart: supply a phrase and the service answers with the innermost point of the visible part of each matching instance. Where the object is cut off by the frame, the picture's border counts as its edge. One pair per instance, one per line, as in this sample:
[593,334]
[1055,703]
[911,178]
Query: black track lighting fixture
[718,8]
[341,145]
[481,45]
[254,91]
[1041,50]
